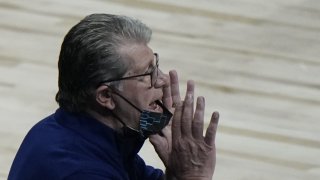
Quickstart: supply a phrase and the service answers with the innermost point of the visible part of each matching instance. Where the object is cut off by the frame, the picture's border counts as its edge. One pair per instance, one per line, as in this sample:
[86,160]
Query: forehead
[137,56]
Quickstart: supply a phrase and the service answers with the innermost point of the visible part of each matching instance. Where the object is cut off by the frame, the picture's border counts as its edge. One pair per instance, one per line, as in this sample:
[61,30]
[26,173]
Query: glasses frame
[156,67]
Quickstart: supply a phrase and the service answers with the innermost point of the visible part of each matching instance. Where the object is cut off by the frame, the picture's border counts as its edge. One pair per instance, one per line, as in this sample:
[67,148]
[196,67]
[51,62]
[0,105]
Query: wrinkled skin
[185,152]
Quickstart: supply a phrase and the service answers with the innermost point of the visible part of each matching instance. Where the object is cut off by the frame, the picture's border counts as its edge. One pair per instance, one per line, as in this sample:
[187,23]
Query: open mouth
[155,107]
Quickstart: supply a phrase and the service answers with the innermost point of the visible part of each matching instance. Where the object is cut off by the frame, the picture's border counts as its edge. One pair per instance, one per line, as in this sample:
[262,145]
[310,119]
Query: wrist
[170,176]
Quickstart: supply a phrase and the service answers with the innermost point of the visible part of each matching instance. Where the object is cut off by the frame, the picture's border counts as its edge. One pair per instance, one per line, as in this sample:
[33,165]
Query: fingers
[187,116]
[175,92]
[184,123]
[166,132]
[156,140]
[177,104]
[167,99]
[197,123]
[212,129]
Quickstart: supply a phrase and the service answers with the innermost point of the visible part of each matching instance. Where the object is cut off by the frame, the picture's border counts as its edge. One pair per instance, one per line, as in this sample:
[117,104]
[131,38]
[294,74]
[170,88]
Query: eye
[141,78]
[150,68]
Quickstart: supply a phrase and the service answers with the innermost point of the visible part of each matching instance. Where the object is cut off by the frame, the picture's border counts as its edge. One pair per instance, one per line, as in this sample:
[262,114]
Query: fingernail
[202,99]
[216,115]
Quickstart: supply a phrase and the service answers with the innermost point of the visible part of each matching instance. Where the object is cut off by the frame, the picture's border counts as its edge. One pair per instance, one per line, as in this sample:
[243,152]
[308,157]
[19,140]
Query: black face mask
[150,122]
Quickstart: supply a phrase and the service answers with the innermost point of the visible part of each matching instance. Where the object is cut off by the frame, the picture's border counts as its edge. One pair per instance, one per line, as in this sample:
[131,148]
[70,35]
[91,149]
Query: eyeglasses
[153,73]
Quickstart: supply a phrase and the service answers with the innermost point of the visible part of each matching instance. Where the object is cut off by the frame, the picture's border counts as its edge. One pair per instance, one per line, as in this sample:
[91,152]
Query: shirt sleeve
[146,172]
[136,171]
[89,176]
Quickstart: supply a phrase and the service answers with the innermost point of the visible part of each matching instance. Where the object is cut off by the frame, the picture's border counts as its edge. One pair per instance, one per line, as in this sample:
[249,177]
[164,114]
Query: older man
[112,97]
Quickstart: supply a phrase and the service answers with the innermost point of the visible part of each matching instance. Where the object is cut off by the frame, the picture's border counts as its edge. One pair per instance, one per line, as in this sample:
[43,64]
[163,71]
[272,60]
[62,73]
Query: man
[112,97]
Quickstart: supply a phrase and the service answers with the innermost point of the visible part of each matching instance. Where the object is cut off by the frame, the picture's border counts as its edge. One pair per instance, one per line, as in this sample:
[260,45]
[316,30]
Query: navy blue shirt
[74,146]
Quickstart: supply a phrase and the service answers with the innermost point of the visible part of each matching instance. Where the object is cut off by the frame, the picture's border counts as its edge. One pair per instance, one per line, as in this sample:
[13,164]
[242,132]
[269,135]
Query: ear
[104,98]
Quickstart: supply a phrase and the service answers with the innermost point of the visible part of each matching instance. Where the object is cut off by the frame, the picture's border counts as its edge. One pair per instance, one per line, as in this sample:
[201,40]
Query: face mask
[150,122]
[154,122]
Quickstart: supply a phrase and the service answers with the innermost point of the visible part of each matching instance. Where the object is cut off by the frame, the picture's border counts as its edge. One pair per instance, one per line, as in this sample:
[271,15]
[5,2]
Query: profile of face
[142,91]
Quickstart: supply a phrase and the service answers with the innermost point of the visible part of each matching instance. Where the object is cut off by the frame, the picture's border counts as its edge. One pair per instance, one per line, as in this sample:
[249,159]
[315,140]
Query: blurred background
[256,62]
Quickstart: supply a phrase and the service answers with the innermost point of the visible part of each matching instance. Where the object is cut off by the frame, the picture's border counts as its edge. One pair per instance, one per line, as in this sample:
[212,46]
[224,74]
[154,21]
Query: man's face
[138,91]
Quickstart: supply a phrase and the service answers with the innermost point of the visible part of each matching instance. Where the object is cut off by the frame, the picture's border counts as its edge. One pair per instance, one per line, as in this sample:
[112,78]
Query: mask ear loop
[125,127]
[163,107]
[125,99]
[127,130]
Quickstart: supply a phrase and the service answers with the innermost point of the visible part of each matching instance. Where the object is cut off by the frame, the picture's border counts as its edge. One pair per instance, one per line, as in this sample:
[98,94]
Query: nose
[162,80]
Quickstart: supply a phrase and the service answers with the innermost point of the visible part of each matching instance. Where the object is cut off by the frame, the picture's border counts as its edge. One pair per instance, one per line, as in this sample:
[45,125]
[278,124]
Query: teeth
[154,105]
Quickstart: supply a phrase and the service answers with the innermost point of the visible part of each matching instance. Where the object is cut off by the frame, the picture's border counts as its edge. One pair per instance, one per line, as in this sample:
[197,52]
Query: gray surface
[255,61]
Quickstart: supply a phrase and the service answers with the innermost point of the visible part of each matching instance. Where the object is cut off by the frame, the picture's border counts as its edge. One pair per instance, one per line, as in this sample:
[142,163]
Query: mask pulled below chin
[154,122]
[150,122]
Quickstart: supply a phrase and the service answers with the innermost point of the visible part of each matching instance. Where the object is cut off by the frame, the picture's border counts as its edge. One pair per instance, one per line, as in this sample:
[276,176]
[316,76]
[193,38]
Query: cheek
[138,93]
[120,87]
[142,99]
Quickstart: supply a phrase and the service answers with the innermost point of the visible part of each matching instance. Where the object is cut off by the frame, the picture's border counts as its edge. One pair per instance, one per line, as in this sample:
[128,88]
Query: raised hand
[186,153]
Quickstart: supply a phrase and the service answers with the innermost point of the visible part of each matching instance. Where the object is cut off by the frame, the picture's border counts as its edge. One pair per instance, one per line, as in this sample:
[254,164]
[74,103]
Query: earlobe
[104,98]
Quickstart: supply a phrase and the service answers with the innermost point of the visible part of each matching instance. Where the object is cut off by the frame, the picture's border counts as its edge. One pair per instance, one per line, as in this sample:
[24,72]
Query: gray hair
[90,55]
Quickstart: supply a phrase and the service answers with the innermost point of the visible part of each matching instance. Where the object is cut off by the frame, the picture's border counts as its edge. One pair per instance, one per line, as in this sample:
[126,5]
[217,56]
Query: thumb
[159,144]
[156,140]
